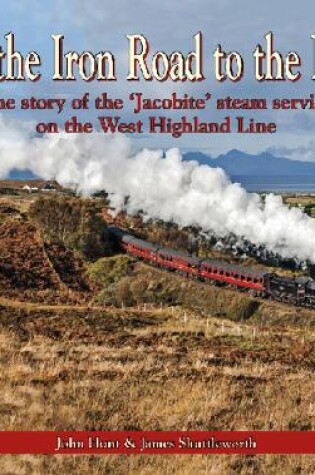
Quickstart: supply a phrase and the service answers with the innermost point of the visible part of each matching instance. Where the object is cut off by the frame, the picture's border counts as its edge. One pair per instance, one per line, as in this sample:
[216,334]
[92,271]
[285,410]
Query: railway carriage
[142,249]
[177,260]
[233,275]
[295,291]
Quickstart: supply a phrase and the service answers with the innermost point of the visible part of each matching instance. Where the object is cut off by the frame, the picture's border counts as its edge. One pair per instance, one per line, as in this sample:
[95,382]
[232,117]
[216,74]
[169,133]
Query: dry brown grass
[64,369]
[186,367]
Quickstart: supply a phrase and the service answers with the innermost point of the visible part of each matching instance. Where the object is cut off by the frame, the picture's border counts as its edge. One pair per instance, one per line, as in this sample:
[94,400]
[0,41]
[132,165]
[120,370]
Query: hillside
[100,341]
[24,263]
[31,269]
[85,369]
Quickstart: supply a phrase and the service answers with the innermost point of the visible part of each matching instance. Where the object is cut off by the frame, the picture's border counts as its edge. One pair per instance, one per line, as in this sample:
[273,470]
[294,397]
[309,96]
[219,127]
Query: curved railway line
[298,291]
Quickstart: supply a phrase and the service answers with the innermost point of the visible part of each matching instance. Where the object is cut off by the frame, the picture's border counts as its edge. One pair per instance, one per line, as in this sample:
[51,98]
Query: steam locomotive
[298,291]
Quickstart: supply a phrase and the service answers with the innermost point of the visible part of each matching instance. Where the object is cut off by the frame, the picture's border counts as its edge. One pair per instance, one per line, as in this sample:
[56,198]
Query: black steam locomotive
[298,291]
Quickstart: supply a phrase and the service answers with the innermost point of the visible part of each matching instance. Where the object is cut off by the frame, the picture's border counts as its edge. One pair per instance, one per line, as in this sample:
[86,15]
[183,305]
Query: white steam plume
[166,188]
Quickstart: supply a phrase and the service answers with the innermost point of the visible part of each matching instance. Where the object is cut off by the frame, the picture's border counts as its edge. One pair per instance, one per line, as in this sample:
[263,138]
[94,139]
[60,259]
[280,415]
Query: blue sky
[97,25]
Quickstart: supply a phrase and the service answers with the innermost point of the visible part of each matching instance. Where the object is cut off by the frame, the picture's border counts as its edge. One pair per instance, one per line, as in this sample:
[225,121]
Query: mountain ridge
[234,163]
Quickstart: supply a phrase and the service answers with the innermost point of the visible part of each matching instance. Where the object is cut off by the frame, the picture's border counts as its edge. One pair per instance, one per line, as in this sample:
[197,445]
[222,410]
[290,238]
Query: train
[297,291]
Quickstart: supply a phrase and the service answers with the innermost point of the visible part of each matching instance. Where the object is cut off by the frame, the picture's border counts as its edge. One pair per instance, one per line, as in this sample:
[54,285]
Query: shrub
[109,270]
[74,222]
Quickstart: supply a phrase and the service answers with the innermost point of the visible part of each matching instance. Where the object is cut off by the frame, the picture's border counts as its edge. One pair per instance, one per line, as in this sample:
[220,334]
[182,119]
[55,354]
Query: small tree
[138,289]
[74,222]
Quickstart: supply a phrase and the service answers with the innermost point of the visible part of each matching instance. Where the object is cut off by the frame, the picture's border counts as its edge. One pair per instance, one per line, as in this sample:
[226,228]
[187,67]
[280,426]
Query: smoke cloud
[162,187]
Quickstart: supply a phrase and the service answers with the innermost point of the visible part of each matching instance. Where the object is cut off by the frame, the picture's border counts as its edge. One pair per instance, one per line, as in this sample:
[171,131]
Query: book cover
[157,237]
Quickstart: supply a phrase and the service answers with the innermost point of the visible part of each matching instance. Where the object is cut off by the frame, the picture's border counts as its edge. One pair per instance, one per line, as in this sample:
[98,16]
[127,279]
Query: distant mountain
[199,157]
[237,163]
[16,174]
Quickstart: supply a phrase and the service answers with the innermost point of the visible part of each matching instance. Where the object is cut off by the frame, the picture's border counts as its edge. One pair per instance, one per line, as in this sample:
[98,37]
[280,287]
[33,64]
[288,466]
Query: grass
[153,369]
[173,354]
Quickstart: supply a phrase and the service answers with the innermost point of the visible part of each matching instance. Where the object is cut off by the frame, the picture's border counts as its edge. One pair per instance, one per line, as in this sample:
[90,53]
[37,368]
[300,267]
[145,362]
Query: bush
[109,270]
[74,222]
[242,309]
[138,288]
[122,294]
[116,294]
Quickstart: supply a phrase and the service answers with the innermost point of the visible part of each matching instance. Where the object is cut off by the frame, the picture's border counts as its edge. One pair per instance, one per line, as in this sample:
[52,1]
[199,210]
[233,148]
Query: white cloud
[304,153]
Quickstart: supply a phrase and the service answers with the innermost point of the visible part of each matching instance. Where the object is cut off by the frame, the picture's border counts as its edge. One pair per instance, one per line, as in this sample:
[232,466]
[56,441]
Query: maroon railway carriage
[178,261]
[232,274]
[124,240]
[193,266]
[138,247]
[300,291]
